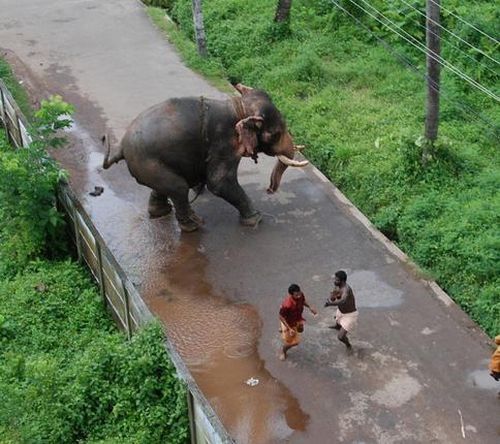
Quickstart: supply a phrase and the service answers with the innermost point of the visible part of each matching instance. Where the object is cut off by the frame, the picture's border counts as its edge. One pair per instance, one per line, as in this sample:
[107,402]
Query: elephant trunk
[278,170]
[282,163]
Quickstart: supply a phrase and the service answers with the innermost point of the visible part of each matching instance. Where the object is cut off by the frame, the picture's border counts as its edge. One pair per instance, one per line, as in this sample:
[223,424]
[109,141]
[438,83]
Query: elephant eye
[269,137]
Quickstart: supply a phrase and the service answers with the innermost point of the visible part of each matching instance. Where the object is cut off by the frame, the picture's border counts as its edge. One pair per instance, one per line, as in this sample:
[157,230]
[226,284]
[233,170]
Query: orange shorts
[291,339]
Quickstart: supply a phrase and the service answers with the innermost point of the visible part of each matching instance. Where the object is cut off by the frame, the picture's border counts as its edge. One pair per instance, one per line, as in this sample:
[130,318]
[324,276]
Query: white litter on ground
[252,382]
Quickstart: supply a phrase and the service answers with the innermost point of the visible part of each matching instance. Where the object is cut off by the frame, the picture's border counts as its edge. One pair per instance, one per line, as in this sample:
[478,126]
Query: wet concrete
[418,368]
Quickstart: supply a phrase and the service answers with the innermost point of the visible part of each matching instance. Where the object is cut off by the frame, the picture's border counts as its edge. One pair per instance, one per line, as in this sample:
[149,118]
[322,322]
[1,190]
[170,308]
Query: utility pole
[199,29]
[283,11]
[433,69]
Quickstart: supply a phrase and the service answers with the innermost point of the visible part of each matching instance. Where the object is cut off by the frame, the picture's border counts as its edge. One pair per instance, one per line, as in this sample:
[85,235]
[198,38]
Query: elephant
[189,142]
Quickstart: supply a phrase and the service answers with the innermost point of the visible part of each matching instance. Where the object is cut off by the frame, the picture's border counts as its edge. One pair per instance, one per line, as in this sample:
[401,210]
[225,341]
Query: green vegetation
[15,89]
[361,114]
[66,374]
[31,225]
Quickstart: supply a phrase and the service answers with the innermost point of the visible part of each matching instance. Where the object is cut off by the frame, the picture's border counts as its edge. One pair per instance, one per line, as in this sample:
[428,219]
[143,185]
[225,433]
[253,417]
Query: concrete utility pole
[433,69]
[283,11]
[199,29]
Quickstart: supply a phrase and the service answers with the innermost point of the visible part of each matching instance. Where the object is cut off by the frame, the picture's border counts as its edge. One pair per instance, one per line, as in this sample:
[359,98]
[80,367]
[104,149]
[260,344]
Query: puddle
[218,340]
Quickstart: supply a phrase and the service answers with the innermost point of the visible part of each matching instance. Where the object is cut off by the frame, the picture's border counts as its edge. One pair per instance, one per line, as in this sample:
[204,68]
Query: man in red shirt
[292,322]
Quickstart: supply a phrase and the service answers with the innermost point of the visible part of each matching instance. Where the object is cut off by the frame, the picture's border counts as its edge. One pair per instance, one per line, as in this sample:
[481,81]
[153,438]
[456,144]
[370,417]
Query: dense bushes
[28,177]
[66,374]
[361,114]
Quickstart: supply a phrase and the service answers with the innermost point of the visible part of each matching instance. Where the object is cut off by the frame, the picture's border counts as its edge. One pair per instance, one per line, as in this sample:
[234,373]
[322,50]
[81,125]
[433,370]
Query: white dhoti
[347,321]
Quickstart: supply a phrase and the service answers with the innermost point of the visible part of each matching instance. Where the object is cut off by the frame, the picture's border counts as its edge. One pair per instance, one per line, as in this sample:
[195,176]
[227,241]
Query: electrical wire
[451,32]
[467,23]
[421,47]
[495,73]
[491,126]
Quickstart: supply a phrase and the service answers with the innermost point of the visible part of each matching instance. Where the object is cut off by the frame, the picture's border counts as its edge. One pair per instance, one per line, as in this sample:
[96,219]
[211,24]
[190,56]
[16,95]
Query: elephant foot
[190,223]
[159,209]
[158,205]
[251,221]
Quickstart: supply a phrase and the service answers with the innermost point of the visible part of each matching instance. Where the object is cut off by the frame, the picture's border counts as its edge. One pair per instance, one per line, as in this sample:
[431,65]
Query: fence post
[4,117]
[101,272]
[127,310]
[21,145]
[77,233]
[192,424]
[3,106]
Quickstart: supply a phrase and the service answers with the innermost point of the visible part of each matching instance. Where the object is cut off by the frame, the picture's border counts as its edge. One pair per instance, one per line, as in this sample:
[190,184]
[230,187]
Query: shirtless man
[346,316]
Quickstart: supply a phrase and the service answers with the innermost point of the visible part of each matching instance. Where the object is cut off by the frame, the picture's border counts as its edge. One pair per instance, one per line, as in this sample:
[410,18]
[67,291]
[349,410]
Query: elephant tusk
[293,163]
[299,147]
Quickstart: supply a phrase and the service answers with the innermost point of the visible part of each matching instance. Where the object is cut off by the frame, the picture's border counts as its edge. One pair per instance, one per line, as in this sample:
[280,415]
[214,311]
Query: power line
[454,46]
[467,23]
[421,47]
[495,130]
[451,32]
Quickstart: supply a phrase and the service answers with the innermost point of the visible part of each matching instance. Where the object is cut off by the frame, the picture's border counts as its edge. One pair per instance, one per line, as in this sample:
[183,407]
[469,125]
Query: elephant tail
[116,158]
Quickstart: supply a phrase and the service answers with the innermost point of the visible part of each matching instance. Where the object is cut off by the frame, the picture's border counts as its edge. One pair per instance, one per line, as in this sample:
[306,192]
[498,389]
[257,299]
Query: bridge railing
[120,295]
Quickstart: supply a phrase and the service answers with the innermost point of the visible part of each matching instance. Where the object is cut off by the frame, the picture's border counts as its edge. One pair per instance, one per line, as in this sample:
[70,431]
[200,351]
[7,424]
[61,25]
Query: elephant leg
[228,188]
[165,182]
[158,205]
[188,220]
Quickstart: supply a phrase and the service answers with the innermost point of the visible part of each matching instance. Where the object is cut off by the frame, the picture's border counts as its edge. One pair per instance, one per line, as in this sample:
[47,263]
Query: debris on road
[97,191]
[252,382]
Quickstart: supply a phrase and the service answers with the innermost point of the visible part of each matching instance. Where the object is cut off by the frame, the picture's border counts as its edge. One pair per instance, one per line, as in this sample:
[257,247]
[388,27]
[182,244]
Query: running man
[346,316]
[495,362]
[292,322]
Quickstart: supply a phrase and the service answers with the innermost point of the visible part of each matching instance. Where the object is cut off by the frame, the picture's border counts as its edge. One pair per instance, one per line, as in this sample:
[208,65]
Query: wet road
[418,373]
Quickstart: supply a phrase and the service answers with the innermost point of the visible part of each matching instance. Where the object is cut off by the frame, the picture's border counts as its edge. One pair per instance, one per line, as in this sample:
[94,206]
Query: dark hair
[293,289]
[342,275]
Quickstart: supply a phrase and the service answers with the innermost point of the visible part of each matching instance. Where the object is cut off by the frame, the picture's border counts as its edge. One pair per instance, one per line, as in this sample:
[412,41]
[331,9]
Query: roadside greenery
[15,88]
[360,112]
[66,374]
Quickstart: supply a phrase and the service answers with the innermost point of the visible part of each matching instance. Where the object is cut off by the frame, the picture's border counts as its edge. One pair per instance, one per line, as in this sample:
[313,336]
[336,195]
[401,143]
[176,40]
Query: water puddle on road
[217,340]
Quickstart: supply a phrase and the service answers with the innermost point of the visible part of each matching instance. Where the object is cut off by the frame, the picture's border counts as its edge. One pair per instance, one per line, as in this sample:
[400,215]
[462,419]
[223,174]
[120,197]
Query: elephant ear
[247,135]
[243,89]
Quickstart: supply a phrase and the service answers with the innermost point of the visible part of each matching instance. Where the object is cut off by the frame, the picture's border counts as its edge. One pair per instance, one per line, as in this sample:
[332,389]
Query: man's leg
[336,326]
[285,350]
[342,337]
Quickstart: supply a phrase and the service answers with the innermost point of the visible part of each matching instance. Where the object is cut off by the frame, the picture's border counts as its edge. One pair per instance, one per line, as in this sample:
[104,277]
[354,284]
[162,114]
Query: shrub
[28,180]
[66,375]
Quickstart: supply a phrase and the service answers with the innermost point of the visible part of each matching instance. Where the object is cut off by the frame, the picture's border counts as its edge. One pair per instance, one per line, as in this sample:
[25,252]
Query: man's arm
[338,301]
[313,310]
